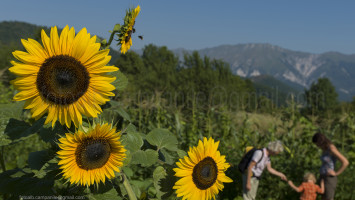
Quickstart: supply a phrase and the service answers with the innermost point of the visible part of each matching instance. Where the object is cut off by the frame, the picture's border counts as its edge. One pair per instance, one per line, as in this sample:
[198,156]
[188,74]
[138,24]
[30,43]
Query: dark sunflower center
[205,173]
[92,153]
[62,79]
[65,79]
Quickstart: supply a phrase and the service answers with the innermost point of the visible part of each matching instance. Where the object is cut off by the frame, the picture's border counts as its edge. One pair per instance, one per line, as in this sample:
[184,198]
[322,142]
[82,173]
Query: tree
[321,97]
[130,63]
[160,65]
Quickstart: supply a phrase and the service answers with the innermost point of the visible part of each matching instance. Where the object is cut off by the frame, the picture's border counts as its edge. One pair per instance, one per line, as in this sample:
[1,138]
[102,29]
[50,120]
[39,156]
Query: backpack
[244,163]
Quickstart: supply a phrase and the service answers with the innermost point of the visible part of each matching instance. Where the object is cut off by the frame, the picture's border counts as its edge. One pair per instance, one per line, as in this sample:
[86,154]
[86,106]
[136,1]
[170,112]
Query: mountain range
[297,69]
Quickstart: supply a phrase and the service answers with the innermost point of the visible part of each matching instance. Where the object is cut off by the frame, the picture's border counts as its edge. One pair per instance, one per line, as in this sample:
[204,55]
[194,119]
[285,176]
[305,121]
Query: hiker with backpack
[253,164]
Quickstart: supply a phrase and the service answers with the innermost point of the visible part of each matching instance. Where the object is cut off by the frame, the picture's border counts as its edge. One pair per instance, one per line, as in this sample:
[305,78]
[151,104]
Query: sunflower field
[75,124]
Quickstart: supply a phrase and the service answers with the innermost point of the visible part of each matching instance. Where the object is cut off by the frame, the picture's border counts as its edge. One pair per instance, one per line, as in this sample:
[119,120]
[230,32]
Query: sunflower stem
[2,161]
[110,40]
[128,187]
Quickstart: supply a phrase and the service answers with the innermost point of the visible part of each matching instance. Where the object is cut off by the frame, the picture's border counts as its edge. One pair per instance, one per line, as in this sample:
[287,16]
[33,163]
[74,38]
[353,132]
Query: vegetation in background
[321,97]
[166,105]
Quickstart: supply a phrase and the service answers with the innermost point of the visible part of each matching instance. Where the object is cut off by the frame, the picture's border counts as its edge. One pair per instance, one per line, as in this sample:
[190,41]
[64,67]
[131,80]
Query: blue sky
[314,26]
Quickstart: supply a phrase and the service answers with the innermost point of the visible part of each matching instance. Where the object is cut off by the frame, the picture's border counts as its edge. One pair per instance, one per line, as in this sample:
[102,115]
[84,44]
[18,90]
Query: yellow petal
[35,49]
[27,81]
[24,69]
[90,52]
[26,94]
[100,78]
[51,113]
[103,69]
[98,64]
[39,109]
[70,40]
[46,43]
[54,41]
[27,58]
[63,40]
[80,44]
[97,57]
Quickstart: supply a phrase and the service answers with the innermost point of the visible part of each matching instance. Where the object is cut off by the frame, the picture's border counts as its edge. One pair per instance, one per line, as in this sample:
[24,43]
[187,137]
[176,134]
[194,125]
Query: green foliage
[4,140]
[12,179]
[275,90]
[11,32]
[7,111]
[111,194]
[158,174]
[17,129]
[162,138]
[195,82]
[145,158]
[121,81]
[321,97]
[132,141]
[164,106]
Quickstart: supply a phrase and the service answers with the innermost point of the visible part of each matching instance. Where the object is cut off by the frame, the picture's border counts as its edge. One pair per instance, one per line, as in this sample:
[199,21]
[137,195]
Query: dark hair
[321,140]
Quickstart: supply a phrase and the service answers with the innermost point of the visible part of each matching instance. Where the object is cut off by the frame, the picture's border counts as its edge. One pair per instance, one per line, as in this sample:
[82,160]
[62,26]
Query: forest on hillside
[190,99]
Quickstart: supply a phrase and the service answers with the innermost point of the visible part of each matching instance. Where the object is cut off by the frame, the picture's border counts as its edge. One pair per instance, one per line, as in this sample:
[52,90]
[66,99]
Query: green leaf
[11,110]
[128,158]
[7,111]
[128,171]
[52,135]
[141,187]
[166,182]
[113,108]
[145,158]
[158,174]
[11,183]
[111,194]
[121,81]
[166,156]
[37,159]
[18,174]
[103,42]
[123,113]
[131,128]
[103,191]
[4,140]
[17,129]
[49,166]
[162,138]
[117,27]
[181,153]
[132,141]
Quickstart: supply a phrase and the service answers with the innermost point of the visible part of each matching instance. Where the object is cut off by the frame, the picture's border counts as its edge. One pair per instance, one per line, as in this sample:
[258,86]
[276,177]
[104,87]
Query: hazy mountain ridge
[12,31]
[292,67]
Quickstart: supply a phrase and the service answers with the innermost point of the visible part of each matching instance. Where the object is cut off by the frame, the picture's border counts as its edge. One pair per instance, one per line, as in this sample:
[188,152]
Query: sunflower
[66,77]
[91,157]
[127,29]
[202,172]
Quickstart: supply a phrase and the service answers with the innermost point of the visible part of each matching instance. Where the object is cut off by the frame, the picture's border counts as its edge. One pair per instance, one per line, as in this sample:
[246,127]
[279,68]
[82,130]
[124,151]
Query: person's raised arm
[342,159]
[250,174]
[276,173]
[290,183]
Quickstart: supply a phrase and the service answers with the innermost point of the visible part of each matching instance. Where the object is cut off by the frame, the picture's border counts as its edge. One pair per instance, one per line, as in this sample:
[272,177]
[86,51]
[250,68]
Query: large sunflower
[91,157]
[65,77]
[202,172]
[127,29]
